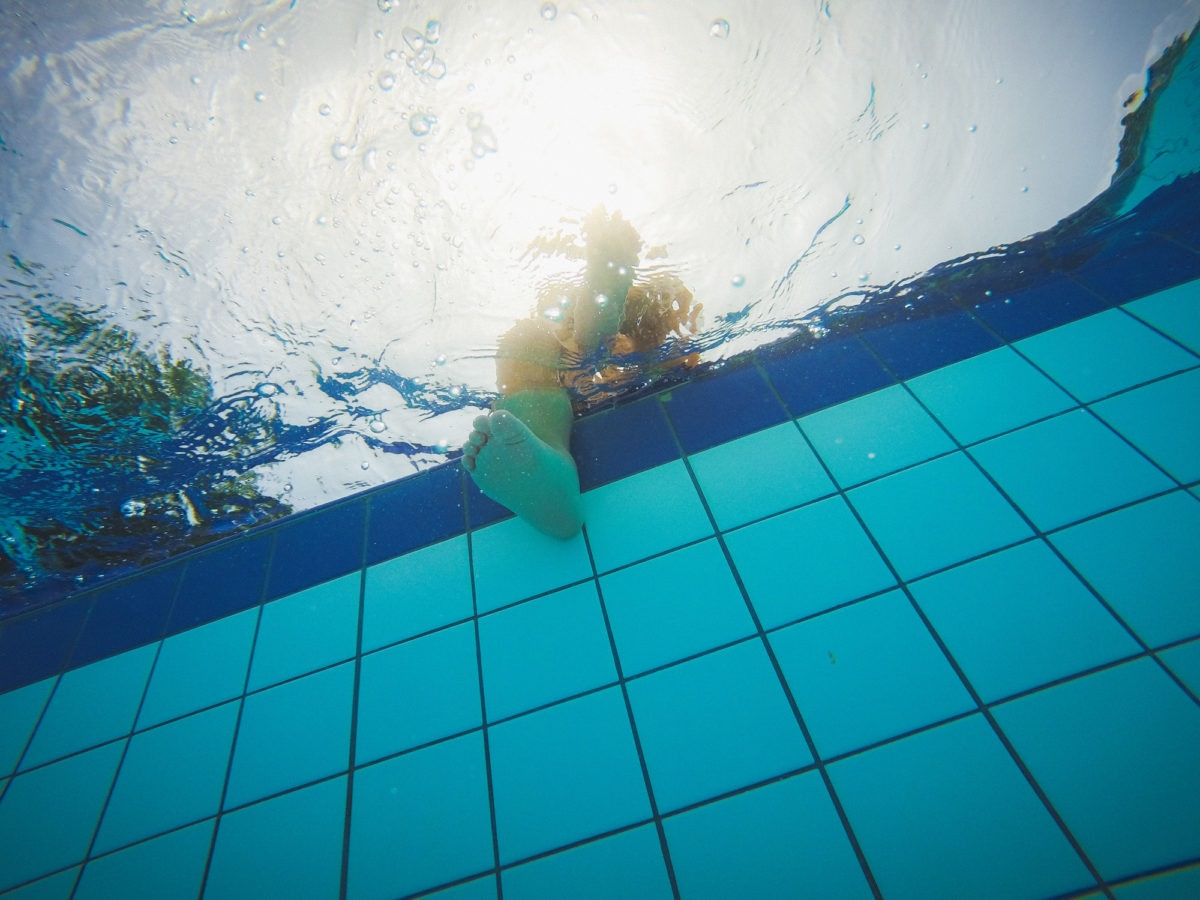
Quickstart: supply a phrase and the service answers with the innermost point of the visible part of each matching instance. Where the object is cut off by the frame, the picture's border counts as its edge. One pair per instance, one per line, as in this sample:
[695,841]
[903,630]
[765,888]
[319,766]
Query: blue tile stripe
[949,315]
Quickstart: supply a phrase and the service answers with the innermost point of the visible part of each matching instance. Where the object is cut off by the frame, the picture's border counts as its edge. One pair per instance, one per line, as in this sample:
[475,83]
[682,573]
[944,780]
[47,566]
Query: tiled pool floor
[939,639]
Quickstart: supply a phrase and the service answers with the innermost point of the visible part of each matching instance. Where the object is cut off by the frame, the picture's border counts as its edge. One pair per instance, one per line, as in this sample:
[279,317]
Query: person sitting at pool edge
[519,453]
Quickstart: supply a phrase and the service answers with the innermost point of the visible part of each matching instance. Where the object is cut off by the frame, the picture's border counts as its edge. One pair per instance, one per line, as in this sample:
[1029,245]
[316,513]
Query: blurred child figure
[519,453]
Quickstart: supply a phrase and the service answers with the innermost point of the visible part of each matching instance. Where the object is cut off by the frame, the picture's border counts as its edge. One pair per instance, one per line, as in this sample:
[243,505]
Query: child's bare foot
[519,470]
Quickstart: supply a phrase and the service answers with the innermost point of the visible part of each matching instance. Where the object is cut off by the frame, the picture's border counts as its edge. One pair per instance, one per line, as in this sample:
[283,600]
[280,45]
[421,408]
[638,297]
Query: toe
[507,428]
[483,424]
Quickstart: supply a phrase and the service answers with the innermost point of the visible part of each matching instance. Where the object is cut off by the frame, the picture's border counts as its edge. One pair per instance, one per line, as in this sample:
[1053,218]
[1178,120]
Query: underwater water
[257,256]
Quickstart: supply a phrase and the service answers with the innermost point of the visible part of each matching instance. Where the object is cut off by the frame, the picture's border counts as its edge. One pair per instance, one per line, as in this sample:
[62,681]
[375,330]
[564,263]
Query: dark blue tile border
[899,334]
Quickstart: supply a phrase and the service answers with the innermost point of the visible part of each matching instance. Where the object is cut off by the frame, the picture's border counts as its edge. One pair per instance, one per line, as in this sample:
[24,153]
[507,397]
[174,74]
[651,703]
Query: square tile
[786,474]
[1019,619]
[874,435]
[715,724]
[673,606]
[828,372]
[513,561]
[310,717]
[1184,661]
[420,820]
[1116,754]
[839,564]
[914,346]
[1175,312]
[91,705]
[620,442]
[172,775]
[416,692]
[20,710]
[415,512]
[306,631]
[565,773]
[47,816]
[289,846]
[168,866]
[417,592]
[988,394]
[629,864]
[199,668]
[1163,421]
[867,672]
[127,615]
[1143,561]
[544,650]
[716,408]
[642,515]
[1103,354]
[1135,264]
[784,840]
[937,514]
[226,580]
[1067,468]
[317,547]
[947,813]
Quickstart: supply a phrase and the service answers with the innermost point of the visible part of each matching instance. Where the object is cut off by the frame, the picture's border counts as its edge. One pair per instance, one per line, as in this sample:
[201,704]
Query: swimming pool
[904,608]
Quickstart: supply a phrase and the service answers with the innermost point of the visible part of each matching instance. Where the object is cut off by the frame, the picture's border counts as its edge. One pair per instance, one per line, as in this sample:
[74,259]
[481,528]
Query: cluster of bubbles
[483,139]
[421,58]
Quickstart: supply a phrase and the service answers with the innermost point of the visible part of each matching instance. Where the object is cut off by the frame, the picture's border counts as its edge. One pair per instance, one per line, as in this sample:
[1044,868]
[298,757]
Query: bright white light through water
[282,189]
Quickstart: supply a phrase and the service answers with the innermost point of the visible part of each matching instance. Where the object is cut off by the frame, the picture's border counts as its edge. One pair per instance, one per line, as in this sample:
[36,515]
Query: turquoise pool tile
[784,840]
[1184,661]
[937,514]
[806,561]
[306,631]
[544,650]
[715,724]
[874,435]
[56,887]
[288,846]
[1104,353]
[1163,421]
[1143,561]
[417,592]
[172,775]
[513,562]
[168,866]
[674,606]
[199,668]
[1116,754]
[1066,468]
[1178,885]
[988,394]
[644,514]
[91,705]
[310,717]
[47,816]
[419,691]
[759,475]
[1175,311]
[947,813]
[420,820]
[629,864]
[1019,619]
[564,774]
[20,711]
[867,672]
[479,889]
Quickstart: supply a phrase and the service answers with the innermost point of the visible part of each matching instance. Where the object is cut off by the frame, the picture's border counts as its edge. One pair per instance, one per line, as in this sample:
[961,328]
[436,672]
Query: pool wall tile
[968,666]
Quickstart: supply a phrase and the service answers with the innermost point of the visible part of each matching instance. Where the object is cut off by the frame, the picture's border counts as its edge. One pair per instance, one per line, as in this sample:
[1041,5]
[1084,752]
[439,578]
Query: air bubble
[738,280]
[387,80]
[386,6]
[719,29]
[376,425]
[268,389]
[364,465]
[422,124]
[260,96]
[324,109]
[277,220]
[414,39]
[433,31]
[440,360]
[972,128]
[859,239]
[549,12]
[341,150]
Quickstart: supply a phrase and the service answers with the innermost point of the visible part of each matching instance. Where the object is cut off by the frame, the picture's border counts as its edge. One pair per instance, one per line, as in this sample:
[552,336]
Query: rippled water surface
[257,256]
